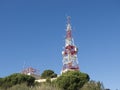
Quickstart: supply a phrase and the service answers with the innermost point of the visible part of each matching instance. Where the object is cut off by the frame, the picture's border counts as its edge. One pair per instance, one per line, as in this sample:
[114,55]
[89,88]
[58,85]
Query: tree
[72,80]
[48,74]
[92,85]
[15,79]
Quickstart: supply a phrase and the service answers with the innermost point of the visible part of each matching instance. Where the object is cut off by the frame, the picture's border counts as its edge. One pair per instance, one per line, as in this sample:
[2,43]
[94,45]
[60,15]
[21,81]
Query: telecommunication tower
[31,71]
[70,61]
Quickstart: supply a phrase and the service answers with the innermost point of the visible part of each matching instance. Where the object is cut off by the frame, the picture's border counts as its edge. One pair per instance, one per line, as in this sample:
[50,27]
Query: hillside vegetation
[71,80]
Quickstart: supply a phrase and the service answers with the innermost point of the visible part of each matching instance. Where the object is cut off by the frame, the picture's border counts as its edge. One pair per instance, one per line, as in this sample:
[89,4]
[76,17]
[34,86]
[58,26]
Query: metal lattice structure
[31,71]
[70,61]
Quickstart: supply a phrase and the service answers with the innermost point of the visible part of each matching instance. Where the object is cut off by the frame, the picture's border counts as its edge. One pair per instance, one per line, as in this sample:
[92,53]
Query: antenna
[68,19]
[69,53]
[24,65]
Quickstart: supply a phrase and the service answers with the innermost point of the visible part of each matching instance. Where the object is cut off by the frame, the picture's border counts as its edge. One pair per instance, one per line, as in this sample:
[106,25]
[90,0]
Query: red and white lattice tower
[70,61]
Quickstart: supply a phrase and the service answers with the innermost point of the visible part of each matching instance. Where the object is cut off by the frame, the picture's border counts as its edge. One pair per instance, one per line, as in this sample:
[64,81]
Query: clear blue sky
[33,31]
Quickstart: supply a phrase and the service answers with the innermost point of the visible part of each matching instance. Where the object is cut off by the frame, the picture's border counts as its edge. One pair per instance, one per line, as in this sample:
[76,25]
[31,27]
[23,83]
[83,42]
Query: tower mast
[70,61]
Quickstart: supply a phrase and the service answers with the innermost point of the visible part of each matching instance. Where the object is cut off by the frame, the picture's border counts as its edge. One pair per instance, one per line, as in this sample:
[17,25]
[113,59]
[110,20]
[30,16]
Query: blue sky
[33,31]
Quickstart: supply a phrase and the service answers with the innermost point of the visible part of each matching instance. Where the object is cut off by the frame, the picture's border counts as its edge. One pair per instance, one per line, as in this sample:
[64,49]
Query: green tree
[72,80]
[15,79]
[92,85]
[48,74]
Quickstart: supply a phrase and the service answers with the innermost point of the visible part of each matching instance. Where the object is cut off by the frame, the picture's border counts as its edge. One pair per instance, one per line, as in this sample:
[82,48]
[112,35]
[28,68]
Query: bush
[15,79]
[48,74]
[25,87]
[72,80]
[92,85]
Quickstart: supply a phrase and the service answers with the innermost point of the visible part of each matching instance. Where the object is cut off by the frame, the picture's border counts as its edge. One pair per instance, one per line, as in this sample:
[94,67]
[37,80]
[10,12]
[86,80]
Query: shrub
[48,74]
[72,80]
[25,87]
[92,85]
[16,78]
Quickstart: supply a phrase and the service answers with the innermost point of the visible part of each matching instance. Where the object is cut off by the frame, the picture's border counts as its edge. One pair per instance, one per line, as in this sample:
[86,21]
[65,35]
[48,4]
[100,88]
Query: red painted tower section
[70,61]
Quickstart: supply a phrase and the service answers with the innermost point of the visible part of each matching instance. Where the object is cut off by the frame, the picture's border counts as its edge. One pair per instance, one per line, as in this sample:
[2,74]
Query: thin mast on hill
[70,61]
